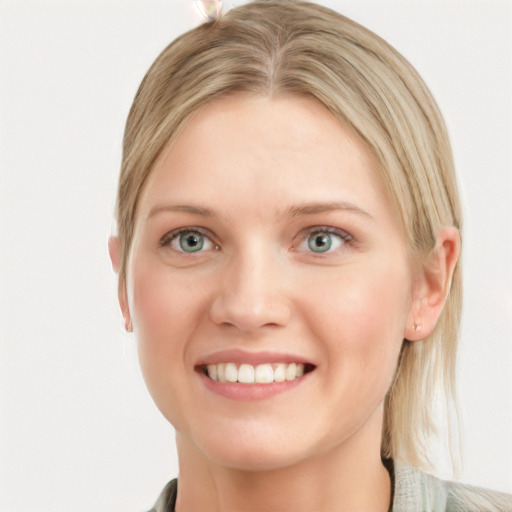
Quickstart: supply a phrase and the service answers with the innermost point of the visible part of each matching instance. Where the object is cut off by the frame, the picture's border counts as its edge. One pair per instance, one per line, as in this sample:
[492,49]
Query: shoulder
[463,497]
[415,490]
[167,500]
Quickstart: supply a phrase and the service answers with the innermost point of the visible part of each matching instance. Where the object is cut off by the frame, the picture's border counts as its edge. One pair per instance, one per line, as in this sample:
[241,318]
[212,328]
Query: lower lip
[250,392]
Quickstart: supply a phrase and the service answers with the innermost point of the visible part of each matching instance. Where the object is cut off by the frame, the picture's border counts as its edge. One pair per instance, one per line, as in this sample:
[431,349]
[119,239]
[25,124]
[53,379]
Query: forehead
[250,143]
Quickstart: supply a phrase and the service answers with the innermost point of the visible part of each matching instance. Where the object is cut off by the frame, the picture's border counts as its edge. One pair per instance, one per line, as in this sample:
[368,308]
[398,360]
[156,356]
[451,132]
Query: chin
[249,451]
[250,459]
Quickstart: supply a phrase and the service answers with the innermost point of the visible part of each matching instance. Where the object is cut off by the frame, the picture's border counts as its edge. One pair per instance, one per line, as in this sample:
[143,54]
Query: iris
[320,241]
[191,241]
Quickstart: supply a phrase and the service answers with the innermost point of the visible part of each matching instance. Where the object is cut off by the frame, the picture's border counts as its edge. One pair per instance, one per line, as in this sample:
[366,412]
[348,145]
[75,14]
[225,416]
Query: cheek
[153,305]
[361,322]
[162,304]
[372,300]
[163,316]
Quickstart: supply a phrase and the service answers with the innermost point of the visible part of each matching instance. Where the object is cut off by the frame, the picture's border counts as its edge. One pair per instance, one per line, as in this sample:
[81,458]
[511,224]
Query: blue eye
[189,240]
[324,241]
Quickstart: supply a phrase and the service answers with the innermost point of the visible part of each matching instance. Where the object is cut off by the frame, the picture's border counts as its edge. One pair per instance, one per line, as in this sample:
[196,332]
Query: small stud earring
[417,327]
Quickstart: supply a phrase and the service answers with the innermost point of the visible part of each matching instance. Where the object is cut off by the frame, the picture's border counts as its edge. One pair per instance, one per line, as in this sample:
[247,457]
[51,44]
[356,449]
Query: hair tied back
[209,9]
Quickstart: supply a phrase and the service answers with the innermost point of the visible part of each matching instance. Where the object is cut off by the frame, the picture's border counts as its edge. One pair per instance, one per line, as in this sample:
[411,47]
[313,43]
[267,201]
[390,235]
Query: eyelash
[344,238]
[170,237]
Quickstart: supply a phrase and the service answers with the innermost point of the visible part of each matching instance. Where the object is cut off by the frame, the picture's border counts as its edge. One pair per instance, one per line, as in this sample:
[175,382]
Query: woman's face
[265,246]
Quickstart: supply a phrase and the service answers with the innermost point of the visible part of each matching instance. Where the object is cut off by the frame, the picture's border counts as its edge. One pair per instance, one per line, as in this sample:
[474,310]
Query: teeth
[291,371]
[280,373]
[212,371]
[260,374]
[246,373]
[231,372]
[264,374]
[221,372]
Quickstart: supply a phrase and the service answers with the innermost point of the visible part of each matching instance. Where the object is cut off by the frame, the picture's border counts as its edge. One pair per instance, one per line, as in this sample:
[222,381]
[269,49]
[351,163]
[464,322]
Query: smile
[266,373]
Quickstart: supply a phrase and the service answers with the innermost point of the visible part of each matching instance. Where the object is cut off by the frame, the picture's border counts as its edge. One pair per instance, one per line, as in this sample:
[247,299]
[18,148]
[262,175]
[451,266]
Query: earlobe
[126,318]
[114,250]
[432,285]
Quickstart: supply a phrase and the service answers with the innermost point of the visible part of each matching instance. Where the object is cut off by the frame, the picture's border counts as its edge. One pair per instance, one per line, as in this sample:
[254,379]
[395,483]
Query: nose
[252,293]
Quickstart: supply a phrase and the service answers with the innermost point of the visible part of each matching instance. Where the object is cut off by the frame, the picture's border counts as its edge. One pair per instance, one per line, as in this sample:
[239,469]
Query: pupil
[322,241]
[192,241]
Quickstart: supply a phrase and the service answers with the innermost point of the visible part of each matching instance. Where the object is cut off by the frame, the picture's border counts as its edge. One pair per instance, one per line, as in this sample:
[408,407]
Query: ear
[114,250]
[432,285]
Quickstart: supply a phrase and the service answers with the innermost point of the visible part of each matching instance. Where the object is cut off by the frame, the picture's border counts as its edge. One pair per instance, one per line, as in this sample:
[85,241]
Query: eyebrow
[321,207]
[196,210]
[293,211]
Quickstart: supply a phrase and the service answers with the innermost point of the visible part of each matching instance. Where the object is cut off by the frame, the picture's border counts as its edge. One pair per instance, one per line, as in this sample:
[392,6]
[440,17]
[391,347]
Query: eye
[188,240]
[324,240]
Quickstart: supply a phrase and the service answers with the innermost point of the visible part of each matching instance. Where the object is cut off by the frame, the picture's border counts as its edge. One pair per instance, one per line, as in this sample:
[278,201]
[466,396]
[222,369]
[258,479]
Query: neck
[347,477]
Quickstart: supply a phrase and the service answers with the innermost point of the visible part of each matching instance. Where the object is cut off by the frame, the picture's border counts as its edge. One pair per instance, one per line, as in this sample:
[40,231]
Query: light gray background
[78,430]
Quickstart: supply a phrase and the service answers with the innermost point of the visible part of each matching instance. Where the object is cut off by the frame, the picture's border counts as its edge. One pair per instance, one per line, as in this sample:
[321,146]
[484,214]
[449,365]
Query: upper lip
[239,356]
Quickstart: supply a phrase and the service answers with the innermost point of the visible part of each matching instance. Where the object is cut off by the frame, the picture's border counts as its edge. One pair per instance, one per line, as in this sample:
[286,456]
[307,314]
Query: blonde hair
[274,47]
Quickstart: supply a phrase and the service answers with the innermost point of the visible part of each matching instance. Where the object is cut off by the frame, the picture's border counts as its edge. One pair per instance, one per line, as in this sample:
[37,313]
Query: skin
[260,178]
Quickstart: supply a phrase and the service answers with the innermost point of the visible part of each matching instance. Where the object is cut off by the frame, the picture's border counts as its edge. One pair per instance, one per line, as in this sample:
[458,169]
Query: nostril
[249,314]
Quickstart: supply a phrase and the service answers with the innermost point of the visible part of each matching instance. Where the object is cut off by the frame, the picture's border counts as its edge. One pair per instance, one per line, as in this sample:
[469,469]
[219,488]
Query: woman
[287,250]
